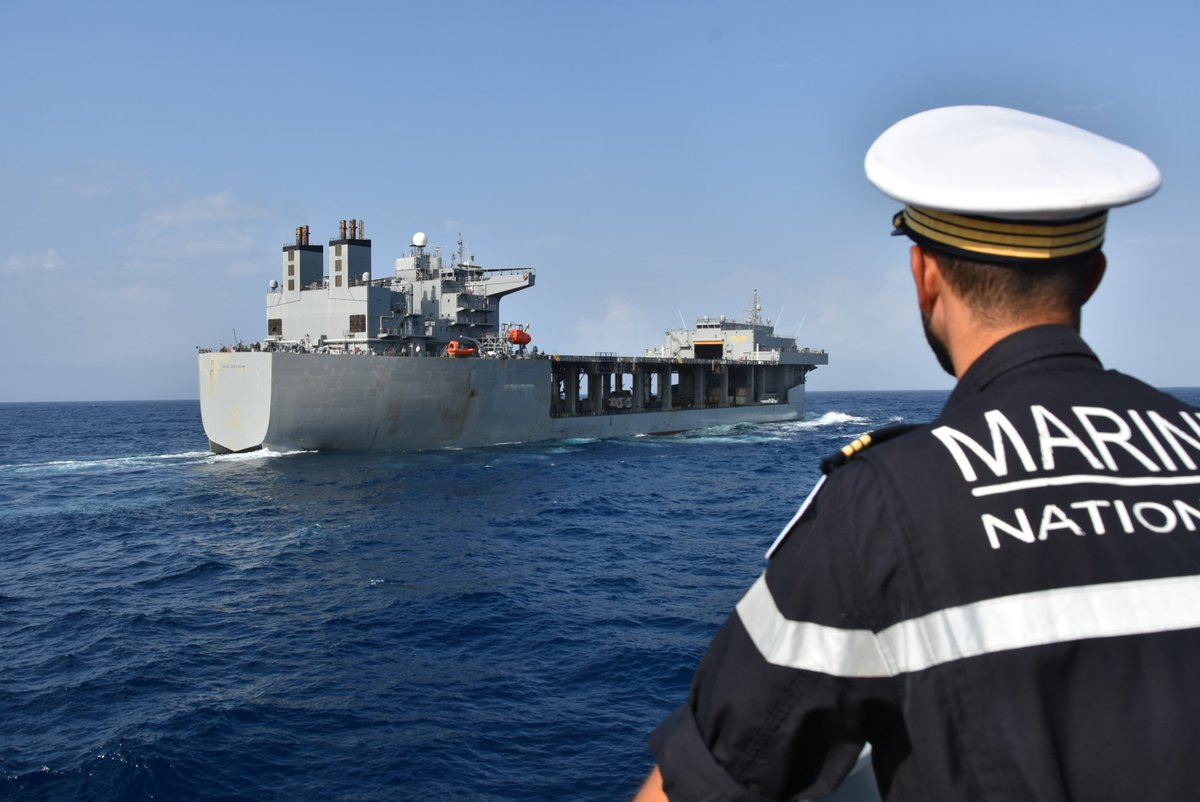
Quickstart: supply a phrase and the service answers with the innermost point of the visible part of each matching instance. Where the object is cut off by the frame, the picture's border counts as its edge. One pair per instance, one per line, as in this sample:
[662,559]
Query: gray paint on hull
[338,402]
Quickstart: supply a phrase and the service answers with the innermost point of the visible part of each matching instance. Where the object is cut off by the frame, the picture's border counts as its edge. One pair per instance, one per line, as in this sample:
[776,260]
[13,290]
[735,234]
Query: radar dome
[274,284]
[419,239]
[366,277]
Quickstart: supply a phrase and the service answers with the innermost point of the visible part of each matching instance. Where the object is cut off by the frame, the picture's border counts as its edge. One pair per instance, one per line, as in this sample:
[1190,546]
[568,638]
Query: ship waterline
[290,401]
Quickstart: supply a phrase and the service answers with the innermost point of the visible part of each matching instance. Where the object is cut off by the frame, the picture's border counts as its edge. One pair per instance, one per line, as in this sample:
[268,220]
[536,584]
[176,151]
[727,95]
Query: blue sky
[650,160]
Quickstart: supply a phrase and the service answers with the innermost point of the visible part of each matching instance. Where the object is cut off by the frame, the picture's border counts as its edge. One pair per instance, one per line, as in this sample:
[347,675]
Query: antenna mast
[755,308]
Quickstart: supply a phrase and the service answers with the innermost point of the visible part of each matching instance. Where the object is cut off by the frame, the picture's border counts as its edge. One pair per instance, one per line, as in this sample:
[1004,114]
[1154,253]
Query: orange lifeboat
[518,337]
[459,349]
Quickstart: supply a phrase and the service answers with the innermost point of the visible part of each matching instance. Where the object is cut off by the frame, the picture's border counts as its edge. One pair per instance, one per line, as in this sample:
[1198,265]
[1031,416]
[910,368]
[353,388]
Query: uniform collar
[1045,345]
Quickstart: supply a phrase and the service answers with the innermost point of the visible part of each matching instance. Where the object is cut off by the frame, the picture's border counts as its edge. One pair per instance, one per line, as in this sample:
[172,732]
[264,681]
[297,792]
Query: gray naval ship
[420,360]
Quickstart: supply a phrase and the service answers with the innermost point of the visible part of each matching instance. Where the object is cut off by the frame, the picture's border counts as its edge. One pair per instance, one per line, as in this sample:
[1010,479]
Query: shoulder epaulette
[839,458]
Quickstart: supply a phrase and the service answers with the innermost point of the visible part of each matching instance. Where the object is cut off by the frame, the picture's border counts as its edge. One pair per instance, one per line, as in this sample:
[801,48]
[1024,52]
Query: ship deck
[608,383]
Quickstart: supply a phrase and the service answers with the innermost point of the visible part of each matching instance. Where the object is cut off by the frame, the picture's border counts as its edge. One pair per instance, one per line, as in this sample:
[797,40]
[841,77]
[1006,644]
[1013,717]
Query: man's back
[1043,575]
[1003,603]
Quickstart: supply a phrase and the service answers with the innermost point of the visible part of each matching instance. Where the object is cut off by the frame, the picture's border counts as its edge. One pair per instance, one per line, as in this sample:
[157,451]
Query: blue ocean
[485,624]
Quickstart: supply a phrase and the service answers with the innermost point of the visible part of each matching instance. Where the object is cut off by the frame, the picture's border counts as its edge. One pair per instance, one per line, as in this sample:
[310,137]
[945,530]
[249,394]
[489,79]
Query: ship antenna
[682,322]
[755,308]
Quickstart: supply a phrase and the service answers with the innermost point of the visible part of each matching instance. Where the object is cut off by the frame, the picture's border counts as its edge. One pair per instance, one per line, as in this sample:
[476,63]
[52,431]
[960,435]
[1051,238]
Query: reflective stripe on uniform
[1039,618]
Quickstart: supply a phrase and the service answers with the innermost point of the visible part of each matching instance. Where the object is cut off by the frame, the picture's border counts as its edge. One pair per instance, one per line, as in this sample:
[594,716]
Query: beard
[938,346]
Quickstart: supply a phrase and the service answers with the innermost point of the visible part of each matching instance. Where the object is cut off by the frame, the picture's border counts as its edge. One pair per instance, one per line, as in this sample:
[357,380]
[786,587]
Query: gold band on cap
[1010,239]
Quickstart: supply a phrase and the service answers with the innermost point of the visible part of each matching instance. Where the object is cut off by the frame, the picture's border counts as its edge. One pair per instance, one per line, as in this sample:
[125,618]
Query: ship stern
[235,399]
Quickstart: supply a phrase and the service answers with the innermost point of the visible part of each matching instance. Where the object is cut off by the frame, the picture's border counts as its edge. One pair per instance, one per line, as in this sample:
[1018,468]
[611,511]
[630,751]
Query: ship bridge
[428,303]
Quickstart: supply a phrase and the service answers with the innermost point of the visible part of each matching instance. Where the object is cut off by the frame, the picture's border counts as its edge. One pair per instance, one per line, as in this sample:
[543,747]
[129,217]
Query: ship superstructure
[721,338]
[439,369]
[425,305]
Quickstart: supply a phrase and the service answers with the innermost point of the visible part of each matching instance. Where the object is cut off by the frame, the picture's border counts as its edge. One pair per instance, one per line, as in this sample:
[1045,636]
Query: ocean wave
[102,463]
[771,431]
[203,570]
[250,456]
[139,461]
[184,625]
[121,773]
[569,445]
[831,418]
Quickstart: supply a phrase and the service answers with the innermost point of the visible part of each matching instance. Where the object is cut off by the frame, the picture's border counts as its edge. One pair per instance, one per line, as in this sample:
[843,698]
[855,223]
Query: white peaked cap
[963,171]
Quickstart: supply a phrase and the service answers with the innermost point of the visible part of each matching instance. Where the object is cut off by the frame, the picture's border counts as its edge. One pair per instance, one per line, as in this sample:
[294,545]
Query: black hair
[1004,292]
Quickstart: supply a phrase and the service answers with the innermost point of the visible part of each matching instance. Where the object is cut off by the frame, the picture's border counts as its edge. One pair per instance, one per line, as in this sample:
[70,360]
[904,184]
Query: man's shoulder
[1060,392]
[855,484]
[1134,385]
[873,442]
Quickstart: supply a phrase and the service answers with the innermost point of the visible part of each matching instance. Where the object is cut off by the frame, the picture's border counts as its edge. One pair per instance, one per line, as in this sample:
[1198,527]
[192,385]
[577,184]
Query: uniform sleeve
[788,692]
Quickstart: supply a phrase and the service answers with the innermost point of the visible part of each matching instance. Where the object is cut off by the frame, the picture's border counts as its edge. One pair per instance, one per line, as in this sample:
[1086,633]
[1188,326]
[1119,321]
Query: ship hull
[337,402]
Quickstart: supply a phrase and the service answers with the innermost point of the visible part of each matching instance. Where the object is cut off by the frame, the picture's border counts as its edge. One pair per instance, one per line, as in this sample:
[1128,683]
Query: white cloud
[216,228]
[624,328]
[104,179]
[35,263]
[871,328]
[216,207]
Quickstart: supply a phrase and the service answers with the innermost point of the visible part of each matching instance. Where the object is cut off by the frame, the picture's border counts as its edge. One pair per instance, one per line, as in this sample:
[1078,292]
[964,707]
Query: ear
[1099,264]
[927,276]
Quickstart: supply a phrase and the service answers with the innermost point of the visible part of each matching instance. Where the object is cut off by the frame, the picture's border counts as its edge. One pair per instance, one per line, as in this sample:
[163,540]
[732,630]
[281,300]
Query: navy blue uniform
[1005,604]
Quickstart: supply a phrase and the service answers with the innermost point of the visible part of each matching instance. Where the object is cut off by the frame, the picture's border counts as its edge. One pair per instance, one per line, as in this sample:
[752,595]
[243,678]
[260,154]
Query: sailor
[1003,604]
